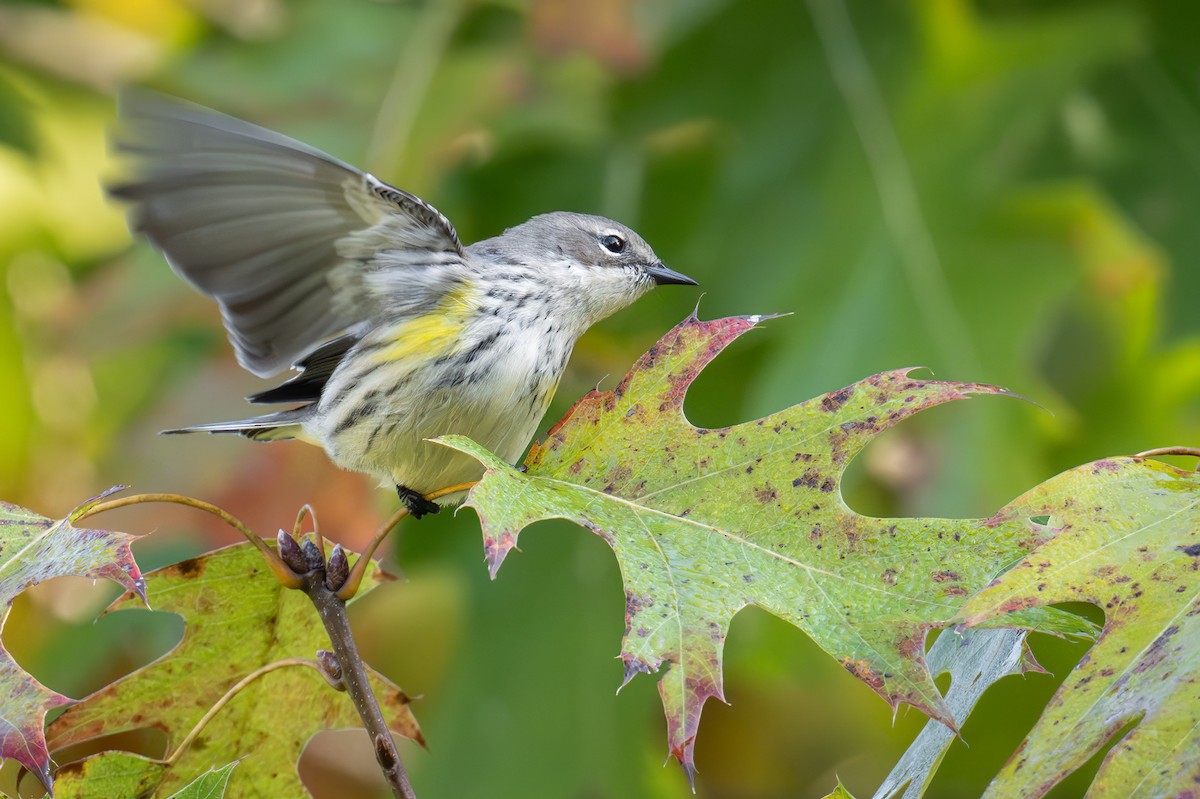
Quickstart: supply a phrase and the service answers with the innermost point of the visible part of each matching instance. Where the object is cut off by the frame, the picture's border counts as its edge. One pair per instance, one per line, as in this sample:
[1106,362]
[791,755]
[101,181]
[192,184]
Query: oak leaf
[1128,540]
[707,521]
[241,626]
[33,549]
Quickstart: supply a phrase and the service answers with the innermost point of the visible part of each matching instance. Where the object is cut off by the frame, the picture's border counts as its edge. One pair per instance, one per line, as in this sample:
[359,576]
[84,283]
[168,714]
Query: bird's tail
[278,426]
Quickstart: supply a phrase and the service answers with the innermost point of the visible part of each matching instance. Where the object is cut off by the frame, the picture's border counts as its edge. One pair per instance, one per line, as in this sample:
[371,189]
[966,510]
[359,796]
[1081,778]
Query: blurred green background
[1000,190]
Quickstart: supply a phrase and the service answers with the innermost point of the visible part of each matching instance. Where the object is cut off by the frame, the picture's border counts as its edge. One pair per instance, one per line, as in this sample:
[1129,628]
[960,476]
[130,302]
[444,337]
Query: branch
[349,669]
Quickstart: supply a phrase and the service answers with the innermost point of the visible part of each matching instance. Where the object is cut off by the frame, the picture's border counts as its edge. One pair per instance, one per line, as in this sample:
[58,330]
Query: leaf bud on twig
[289,553]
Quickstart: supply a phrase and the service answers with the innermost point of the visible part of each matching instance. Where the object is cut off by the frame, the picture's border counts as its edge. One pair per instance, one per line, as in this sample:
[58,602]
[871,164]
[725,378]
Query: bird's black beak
[663,276]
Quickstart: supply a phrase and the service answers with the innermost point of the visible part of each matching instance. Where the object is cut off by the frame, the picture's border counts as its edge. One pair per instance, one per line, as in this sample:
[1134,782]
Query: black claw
[417,505]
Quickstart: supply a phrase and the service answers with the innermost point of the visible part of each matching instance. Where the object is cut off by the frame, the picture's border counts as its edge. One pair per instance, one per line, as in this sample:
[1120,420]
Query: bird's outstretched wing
[282,235]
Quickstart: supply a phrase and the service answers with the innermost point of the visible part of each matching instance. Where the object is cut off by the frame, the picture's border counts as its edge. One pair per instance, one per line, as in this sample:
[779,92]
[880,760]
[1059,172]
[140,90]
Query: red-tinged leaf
[704,522]
[33,549]
[1128,541]
[238,619]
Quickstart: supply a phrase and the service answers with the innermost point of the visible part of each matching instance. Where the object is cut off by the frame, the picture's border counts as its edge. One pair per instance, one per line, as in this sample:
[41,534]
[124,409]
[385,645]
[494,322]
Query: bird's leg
[417,505]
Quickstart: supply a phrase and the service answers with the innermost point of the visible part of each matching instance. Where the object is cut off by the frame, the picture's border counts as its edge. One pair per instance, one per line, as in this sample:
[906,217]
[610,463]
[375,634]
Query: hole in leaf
[340,763]
[77,656]
[1076,783]
[1004,716]
[148,741]
[942,681]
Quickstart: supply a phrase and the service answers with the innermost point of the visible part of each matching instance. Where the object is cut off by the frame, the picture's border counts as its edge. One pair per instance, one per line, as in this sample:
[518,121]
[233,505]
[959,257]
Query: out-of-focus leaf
[1128,541]
[975,660]
[106,775]
[706,521]
[111,774]
[238,620]
[209,785]
[15,128]
[839,792]
[34,549]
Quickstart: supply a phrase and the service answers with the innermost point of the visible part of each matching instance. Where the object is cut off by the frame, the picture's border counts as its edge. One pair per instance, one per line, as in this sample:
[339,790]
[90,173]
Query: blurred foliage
[998,190]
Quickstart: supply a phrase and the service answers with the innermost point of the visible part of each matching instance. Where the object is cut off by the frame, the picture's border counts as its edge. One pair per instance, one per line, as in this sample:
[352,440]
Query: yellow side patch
[433,334]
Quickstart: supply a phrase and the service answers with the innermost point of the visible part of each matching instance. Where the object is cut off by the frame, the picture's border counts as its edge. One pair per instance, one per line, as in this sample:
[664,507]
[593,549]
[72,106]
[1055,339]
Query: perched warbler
[399,332]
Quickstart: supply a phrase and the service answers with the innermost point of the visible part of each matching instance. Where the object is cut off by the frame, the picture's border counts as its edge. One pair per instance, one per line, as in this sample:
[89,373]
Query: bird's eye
[614,244]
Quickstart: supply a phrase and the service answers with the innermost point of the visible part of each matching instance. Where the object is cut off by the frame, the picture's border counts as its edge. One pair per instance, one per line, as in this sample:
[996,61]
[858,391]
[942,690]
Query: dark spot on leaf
[809,479]
[633,606]
[831,402]
[1191,549]
[863,671]
[827,486]
[946,576]
[765,495]
[192,567]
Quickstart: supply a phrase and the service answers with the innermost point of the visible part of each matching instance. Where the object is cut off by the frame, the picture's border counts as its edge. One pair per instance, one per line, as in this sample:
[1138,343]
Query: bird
[397,333]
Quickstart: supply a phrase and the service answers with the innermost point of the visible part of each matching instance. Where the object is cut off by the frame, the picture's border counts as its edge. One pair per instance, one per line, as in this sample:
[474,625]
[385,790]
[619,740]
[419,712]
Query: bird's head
[601,265]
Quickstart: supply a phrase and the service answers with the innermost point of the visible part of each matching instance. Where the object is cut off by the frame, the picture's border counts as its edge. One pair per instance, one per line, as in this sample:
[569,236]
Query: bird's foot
[417,505]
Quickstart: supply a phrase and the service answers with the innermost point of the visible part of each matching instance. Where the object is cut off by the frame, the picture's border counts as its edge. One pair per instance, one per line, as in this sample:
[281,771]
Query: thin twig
[233,691]
[332,611]
[1188,452]
[359,570]
[282,572]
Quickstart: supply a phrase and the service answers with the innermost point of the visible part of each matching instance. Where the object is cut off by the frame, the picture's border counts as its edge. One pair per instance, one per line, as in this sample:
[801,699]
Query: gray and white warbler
[399,332]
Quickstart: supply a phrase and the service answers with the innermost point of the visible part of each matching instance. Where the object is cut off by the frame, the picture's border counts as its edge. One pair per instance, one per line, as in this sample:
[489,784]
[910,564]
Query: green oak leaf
[113,773]
[209,785]
[108,774]
[1128,541]
[705,522]
[839,792]
[33,549]
[238,619]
